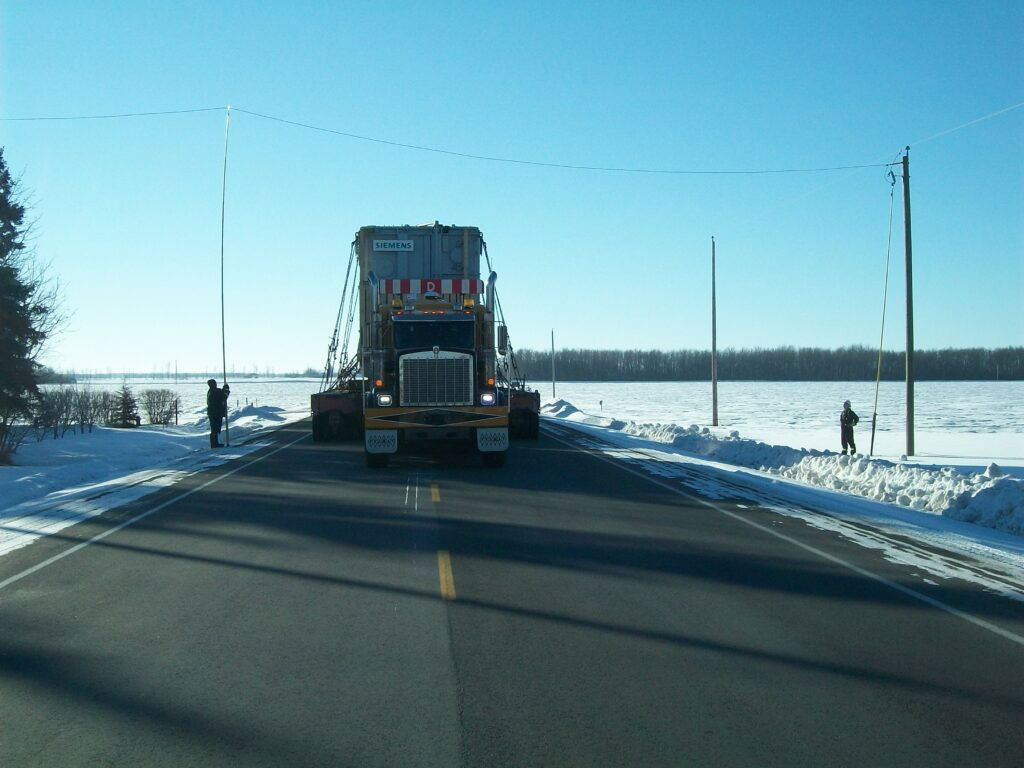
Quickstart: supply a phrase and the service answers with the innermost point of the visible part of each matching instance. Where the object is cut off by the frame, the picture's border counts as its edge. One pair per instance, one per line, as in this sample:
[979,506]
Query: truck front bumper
[387,428]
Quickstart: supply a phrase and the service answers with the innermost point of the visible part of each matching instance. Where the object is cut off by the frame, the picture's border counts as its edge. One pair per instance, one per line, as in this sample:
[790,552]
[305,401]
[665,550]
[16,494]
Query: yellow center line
[444,567]
[435,492]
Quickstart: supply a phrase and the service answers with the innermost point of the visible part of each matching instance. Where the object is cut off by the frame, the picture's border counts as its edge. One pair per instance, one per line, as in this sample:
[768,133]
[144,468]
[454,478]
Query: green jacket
[216,403]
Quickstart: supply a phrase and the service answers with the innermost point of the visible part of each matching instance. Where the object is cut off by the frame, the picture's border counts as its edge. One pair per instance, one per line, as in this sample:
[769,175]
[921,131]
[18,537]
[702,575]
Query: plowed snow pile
[990,498]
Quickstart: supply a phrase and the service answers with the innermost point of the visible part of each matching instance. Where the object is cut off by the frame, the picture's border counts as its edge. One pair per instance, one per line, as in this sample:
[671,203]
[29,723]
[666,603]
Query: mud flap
[492,439]
[381,440]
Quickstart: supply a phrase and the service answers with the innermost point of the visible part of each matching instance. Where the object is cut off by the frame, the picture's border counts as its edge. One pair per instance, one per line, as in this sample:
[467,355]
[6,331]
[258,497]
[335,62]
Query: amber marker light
[378,383]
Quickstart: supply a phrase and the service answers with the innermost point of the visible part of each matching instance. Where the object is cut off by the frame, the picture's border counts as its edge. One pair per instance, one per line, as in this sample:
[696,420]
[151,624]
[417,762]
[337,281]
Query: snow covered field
[961,422]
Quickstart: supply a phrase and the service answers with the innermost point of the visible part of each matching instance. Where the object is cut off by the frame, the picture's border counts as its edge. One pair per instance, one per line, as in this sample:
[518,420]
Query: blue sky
[128,211]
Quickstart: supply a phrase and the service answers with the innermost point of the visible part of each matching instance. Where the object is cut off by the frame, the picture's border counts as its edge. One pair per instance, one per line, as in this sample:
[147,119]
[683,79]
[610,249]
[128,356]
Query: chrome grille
[444,380]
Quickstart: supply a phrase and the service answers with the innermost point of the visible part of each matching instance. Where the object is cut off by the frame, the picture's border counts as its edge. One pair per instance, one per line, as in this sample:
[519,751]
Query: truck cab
[428,346]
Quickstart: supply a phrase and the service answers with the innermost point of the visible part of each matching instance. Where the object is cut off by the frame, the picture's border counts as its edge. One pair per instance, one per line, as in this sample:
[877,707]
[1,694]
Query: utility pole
[714,342]
[552,363]
[910,303]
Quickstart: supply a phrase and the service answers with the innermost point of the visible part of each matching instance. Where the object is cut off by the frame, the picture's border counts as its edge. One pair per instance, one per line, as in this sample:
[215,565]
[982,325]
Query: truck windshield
[444,334]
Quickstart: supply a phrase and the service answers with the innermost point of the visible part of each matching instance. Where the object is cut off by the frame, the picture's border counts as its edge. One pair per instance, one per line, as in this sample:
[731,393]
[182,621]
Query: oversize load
[439,418]
[437,285]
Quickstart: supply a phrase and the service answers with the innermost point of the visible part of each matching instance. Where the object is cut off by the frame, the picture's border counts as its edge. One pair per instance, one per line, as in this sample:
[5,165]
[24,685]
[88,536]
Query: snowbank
[57,483]
[991,498]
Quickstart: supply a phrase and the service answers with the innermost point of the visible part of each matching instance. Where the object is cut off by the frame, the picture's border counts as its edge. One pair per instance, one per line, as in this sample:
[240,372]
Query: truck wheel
[493,458]
[318,429]
[377,460]
[533,431]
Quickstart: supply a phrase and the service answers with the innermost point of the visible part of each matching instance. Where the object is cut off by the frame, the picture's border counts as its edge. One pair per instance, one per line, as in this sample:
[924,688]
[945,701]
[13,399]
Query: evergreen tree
[27,314]
[126,408]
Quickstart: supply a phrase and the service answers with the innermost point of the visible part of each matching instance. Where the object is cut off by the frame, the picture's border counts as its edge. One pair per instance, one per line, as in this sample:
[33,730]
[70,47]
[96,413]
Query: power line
[514,161]
[567,166]
[111,117]
[976,120]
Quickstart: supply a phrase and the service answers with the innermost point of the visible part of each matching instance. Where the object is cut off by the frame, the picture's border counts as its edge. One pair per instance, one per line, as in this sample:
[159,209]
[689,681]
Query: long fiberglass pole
[714,343]
[552,363]
[223,199]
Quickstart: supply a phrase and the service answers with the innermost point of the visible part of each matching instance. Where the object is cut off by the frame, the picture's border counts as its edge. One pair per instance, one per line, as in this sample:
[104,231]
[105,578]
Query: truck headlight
[384,400]
[487,398]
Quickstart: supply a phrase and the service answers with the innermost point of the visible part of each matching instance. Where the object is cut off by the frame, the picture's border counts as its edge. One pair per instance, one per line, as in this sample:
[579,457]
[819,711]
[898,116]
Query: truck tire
[493,459]
[377,460]
[533,430]
[318,429]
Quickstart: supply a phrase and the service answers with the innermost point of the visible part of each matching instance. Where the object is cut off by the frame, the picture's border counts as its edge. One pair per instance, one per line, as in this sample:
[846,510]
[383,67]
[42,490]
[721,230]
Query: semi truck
[433,364]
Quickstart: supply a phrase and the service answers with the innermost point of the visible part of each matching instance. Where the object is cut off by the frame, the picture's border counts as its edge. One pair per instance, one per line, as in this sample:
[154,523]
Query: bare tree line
[56,411]
[856,363]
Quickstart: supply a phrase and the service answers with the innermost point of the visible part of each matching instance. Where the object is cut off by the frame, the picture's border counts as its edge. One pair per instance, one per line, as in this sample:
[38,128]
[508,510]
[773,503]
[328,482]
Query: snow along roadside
[991,498]
[63,482]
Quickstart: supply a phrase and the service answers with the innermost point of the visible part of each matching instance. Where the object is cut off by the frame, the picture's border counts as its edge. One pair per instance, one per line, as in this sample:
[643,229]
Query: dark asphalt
[292,614]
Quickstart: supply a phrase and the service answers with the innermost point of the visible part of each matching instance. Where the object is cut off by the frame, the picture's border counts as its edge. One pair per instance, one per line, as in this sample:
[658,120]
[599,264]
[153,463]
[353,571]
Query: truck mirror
[502,340]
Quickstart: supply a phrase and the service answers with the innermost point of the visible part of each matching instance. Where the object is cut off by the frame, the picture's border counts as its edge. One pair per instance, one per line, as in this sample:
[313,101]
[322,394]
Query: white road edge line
[50,561]
[1004,633]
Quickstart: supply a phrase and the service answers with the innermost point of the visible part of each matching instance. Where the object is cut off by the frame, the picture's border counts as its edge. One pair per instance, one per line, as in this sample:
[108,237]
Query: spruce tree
[126,408]
[27,314]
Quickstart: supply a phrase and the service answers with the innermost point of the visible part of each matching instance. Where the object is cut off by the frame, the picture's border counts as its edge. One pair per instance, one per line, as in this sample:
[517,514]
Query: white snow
[991,498]
[980,513]
[57,483]
[969,423]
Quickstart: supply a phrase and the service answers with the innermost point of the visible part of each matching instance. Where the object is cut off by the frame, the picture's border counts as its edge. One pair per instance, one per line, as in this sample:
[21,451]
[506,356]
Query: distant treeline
[45,375]
[776,364]
[49,376]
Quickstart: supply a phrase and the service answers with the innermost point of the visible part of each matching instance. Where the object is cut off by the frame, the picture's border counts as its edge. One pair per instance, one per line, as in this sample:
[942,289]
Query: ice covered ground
[57,483]
[980,513]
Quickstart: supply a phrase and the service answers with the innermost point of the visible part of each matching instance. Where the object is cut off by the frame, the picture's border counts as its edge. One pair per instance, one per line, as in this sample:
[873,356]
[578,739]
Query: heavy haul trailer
[433,362]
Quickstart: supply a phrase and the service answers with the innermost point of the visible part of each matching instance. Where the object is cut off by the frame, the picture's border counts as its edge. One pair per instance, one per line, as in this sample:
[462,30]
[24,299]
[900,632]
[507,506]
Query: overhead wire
[111,117]
[564,166]
[509,160]
[969,123]
[885,297]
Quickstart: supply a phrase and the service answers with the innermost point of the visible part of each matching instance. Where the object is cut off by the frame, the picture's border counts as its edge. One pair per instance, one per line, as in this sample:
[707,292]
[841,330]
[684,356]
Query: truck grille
[444,380]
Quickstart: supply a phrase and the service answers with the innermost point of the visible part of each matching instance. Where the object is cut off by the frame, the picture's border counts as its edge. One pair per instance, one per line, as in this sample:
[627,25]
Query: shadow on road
[546,508]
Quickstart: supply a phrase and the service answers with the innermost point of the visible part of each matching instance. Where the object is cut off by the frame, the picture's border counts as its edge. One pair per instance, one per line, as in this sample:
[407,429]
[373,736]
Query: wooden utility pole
[910,303]
[552,363]
[714,343]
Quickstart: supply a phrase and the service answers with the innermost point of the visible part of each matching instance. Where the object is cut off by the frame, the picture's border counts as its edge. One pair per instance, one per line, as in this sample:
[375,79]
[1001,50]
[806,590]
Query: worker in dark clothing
[847,421]
[216,410]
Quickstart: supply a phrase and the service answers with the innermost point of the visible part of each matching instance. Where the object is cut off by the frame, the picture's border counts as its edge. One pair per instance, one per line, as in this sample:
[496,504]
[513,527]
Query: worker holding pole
[216,410]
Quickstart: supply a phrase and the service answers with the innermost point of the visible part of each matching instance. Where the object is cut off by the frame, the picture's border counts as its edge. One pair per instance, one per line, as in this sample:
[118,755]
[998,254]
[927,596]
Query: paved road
[305,610]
